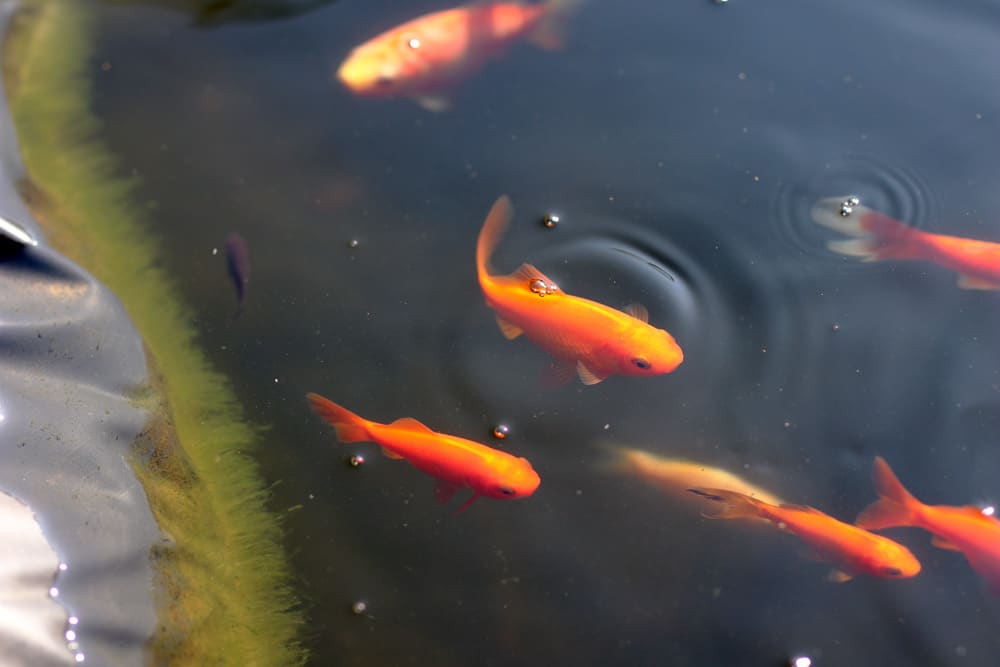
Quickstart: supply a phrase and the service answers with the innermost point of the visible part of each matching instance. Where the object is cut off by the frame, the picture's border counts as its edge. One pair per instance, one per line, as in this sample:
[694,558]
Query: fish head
[646,350]
[514,478]
[894,561]
[373,69]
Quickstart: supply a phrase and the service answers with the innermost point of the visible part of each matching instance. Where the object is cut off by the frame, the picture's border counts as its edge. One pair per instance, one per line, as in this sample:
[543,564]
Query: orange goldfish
[676,476]
[879,237]
[455,462]
[967,529]
[424,58]
[852,549]
[590,338]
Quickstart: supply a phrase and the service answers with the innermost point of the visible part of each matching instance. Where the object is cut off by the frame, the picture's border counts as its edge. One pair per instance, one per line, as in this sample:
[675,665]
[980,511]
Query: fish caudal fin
[895,507]
[349,426]
[875,236]
[493,229]
[550,31]
[734,505]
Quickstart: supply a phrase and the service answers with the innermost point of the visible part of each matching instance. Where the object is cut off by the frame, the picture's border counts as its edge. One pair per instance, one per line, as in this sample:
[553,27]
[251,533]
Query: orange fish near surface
[879,237]
[591,339]
[967,529]
[424,58]
[455,462]
[851,549]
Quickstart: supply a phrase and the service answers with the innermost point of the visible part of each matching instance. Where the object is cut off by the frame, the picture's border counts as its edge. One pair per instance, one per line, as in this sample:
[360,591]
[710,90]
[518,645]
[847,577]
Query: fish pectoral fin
[638,311]
[509,330]
[435,103]
[838,576]
[467,503]
[557,373]
[942,543]
[528,273]
[389,454]
[799,508]
[966,281]
[444,490]
[410,424]
[587,376]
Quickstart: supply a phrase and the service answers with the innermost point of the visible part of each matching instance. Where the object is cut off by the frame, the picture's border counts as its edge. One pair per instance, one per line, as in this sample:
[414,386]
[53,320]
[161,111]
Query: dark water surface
[688,135]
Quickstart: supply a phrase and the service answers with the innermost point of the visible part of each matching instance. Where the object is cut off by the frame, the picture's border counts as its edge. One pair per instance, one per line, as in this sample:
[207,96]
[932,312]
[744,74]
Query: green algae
[224,583]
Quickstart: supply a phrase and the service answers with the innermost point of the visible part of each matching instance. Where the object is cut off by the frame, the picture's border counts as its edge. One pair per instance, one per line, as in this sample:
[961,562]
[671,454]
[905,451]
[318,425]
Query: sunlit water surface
[682,145]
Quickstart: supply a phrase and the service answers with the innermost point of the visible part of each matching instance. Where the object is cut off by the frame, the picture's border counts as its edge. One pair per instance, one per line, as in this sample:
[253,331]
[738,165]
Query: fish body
[424,58]
[455,462]
[238,264]
[590,338]
[967,529]
[851,549]
[879,237]
[676,476]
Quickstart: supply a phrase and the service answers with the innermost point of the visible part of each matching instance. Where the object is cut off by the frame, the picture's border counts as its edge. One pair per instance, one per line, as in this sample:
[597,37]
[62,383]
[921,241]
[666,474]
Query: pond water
[682,145]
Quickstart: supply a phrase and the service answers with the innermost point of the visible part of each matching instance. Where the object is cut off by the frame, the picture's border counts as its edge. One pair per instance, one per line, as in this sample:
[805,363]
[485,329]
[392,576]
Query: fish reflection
[851,549]
[588,338]
[676,476]
[879,237]
[238,263]
[424,58]
[455,462]
[969,529]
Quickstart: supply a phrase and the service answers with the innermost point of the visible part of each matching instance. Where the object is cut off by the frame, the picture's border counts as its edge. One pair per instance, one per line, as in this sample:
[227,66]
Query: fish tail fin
[874,236]
[493,230]
[550,31]
[614,458]
[735,505]
[349,426]
[896,504]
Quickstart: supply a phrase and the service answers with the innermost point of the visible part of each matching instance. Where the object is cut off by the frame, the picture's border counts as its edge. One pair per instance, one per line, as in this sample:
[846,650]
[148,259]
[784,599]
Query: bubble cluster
[847,206]
[542,288]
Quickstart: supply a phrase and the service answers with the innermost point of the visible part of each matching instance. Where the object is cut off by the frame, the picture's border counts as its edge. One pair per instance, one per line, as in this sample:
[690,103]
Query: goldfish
[676,476]
[589,338]
[455,462]
[423,59]
[853,550]
[879,237]
[968,529]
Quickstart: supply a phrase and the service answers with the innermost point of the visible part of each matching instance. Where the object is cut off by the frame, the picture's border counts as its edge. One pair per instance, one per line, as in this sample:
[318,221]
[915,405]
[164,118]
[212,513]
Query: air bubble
[359,607]
[800,661]
[550,220]
[500,431]
[356,461]
[353,243]
[542,288]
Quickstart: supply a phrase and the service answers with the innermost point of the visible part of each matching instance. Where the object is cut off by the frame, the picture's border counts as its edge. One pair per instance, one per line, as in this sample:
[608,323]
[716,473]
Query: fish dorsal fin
[942,543]
[805,509]
[389,454]
[587,376]
[509,330]
[528,272]
[434,103]
[410,424]
[966,281]
[638,311]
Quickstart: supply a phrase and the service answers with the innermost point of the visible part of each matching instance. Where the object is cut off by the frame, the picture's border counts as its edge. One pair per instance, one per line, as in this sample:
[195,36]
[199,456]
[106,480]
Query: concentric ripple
[881,186]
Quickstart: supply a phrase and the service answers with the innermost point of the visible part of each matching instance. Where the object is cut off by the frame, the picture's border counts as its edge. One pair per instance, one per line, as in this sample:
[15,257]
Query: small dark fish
[238,261]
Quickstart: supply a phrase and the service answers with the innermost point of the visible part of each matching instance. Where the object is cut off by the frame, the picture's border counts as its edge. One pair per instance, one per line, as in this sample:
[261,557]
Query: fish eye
[892,571]
[507,491]
[641,364]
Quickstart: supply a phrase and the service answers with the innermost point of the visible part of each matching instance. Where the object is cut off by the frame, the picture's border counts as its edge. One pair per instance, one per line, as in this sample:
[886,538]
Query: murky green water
[680,138]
